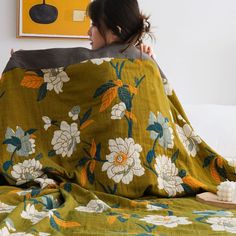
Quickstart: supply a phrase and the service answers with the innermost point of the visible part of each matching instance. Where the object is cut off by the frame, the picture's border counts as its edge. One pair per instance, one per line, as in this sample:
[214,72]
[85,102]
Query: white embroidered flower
[159,128]
[55,77]
[99,61]
[32,214]
[97,206]
[27,144]
[223,224]
[189,139]
[4,208]
[45,182]
[10,224]
[167,221]
[6,232]
[26,171]
[167,86]
[118,111]
[43,234]
[151,207]
[64,140]
[123,162]
[74,112]
[47,121]
[168,178]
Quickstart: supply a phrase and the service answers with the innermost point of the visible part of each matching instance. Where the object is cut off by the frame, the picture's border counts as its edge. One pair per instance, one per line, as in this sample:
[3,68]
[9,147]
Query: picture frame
[53,19]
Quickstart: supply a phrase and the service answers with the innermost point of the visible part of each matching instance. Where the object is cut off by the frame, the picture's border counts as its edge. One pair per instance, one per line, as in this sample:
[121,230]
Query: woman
[118,21]
[113,21]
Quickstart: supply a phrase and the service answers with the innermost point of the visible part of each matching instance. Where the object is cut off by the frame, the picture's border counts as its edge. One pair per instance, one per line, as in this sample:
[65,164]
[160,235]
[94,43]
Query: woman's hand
[147,49]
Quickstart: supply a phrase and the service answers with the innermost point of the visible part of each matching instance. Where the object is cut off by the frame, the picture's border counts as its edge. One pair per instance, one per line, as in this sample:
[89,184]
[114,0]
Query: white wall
[196,45]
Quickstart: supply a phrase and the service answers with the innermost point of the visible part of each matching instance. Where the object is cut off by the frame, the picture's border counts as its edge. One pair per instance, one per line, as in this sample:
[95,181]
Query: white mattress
[216,125]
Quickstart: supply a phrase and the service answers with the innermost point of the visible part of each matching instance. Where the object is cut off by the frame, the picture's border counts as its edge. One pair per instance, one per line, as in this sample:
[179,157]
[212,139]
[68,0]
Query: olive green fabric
[85,140]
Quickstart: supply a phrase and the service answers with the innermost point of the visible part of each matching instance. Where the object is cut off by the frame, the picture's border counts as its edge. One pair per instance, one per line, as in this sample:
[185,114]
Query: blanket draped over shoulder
[97,143]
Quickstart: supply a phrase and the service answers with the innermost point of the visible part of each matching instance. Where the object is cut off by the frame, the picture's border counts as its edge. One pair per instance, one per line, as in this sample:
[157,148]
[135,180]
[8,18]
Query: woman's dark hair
[122,17]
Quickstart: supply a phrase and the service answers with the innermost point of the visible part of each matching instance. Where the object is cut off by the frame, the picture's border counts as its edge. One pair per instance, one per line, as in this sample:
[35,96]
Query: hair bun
[146,25]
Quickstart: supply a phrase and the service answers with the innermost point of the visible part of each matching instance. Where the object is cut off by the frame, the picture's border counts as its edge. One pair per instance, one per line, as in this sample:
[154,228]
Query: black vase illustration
[43,13]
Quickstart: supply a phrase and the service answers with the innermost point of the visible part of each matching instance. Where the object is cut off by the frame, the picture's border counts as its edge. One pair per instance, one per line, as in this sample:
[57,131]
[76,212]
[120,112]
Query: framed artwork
[52,18]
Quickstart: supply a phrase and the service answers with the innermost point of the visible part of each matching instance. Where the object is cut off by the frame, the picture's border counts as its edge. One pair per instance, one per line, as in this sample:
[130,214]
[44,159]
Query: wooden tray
[211,199]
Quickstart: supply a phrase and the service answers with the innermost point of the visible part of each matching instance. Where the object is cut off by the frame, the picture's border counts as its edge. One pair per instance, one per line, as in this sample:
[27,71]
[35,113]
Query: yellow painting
[53,18]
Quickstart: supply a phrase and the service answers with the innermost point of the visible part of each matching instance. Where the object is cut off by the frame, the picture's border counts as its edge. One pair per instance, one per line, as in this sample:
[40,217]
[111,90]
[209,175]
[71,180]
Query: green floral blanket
[97,143]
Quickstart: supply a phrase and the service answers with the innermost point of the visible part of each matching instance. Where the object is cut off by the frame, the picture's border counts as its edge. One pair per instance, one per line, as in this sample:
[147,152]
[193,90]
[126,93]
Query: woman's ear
[111,37]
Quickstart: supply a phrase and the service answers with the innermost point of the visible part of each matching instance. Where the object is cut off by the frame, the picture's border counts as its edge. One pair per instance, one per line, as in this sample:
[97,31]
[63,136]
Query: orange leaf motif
[32,80]
[139,204]
[131,116]
[133,90]
[93,149]
[119,83]
[111,219]
[214,173]
[192,182]
[92,166]
[66,224]
[83,176]
[86,124]
[108,97]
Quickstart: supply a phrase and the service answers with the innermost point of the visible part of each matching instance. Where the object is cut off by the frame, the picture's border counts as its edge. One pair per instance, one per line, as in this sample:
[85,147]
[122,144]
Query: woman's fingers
[146,49]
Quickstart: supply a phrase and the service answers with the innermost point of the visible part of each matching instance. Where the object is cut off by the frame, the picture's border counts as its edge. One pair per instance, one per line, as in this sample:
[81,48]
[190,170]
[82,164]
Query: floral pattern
[74,112]
[168,178]
[167,86]
[151,207]
[26,171]
[20,142]
[4,208]
[47,121]
[118,111]
[98,61]
[96,206]
[55,77]
[189,139]
[167,221]
[223,224]
[32,214]
[64,140]
[160,129]
[45,182]
[6,232]
[123,162]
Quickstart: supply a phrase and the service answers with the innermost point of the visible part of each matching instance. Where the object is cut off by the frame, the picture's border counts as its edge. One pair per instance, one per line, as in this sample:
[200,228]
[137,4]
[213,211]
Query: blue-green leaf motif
[125,97]
[42,92]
